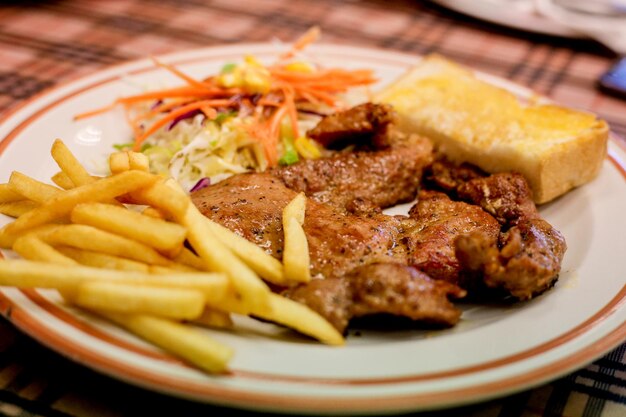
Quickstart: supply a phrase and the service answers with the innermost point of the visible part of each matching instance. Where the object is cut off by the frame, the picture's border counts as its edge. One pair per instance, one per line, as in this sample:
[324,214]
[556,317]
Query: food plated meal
[369,157]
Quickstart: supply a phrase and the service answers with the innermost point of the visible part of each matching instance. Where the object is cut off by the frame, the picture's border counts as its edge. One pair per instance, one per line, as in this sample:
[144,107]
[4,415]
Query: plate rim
[589,352]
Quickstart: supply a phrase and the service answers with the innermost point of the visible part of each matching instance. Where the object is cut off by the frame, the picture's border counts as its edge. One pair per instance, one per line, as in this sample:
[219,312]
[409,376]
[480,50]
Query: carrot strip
[95,112]
[303,41]
[163,107]
[180,74]
[209,112]
[173,115]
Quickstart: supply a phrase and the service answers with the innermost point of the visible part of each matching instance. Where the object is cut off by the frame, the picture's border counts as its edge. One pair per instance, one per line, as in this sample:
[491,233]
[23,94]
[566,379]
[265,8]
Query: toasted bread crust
[469,120]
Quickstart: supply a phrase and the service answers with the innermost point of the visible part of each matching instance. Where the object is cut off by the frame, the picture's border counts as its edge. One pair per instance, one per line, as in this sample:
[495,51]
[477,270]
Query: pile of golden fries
[133,248]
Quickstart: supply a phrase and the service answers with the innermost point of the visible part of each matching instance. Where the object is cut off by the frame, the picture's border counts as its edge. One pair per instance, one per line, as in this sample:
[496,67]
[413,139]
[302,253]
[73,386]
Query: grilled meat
[526,259]
[374,178]
[380,288]
[403,265]
[506,196]
[438,222]
[251,205]
[366,124]
[447,177]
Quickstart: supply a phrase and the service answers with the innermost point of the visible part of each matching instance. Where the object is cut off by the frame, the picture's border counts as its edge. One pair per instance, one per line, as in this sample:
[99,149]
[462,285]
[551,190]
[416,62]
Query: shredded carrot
[180,74]
[209,112]
[95,112]
[303,41]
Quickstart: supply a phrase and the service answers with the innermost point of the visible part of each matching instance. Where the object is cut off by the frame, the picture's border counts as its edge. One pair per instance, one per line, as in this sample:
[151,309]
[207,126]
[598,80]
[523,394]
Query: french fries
[17,208]
[186,342]
[31,247]
[63,204]
[69,164]
[296,258]
[124,161]
[175,303]
[62,180]
[158,234]
[97,240]
[256,258]
[8,195]
[132,247]
[32,189]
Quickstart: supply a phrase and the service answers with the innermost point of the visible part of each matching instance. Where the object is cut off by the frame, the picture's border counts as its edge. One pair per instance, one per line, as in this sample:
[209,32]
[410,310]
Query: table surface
[45,43]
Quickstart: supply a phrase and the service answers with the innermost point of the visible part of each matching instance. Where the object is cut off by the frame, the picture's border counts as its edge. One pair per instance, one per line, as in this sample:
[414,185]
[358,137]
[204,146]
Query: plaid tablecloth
[45,43]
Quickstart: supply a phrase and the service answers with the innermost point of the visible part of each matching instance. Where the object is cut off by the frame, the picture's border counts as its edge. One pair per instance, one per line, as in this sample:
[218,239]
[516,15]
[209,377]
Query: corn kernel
[299,66]
[307,148]
[252,61]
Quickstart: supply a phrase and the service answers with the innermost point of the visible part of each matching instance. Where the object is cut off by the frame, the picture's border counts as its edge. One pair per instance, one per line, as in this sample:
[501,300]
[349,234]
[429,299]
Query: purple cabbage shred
[203,183]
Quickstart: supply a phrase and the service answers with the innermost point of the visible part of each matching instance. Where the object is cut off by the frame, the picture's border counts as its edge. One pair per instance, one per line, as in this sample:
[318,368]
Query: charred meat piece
[251,205]
[438,222]
[380,288]
[506,196]
[447,176]
[378,178]
[525,261]
[367,123]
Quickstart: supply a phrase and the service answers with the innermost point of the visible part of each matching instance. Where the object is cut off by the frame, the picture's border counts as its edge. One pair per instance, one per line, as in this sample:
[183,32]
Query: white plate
[494,351]
[518,14]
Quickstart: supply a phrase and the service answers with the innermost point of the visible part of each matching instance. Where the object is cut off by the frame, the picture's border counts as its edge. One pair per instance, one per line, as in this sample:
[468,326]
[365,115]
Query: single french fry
[8,195]
[103,260]
[29,274]
[69,164]
[152,212]
[284,311]
[214,319]
[118,162]
[17,208]
[252,290]
[296,208]
[174,268]
[158,234]
[32,189]
[62,180]
[62,205]
[138,161]
[252,255]
[175,303]
[302,319]
[90,238]
[159,196]
[187,257]
[296,258]
[31,247]
[186,342]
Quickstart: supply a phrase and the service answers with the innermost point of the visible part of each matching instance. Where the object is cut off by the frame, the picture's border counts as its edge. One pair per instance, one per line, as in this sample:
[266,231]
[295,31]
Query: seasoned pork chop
[252,204]
[381,178]
[367,123]
[438,222]
[380,288]
[526,259]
